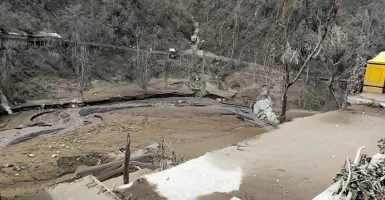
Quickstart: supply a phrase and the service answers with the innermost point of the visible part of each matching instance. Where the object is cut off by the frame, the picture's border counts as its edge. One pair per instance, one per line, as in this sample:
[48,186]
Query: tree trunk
[282,117]
[166,72]
[126,173]
[4,103]
[329,93]
[83,66]
[327,96]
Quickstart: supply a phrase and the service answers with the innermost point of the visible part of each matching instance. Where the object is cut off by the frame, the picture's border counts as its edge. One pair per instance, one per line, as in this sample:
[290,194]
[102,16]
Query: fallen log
[246,116]
[115,165]
[109,170]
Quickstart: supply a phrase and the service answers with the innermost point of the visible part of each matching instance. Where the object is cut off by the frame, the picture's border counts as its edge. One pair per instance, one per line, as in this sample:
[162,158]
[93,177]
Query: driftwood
[146,158]
[246,115]
[116,166]
[97,170]
[109,170]
[126,172]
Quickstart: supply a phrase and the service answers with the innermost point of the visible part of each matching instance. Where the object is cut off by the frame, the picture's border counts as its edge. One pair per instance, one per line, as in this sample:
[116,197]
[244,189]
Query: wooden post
[126,173]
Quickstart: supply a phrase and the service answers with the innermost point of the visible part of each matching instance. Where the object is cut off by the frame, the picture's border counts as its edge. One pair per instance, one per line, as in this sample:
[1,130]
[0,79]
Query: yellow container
[375,75]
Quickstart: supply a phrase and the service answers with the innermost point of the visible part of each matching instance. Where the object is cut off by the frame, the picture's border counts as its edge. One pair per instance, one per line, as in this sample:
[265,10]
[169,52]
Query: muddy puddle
[42,147]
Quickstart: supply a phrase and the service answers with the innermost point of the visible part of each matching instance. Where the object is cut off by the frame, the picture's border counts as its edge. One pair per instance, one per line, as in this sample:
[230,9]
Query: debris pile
[363,178]
[110,169]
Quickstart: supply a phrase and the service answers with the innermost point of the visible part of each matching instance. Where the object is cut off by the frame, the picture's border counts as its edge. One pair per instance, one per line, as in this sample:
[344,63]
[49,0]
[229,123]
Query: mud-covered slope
[157,23]
[149,24]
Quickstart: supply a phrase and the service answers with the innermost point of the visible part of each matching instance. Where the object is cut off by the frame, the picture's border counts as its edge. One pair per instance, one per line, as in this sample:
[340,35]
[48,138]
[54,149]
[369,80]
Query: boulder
[265,108]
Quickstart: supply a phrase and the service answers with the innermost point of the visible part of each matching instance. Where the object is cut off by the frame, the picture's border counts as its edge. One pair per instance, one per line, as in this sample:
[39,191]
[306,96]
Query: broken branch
[126,172]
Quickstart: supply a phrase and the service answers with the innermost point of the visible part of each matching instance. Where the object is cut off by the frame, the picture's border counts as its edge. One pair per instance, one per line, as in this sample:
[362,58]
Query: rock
[42,106]
[7,165]
[31,155]
[54,155]
[64,115]
[63,145]
[264,108]
[181,101]
[17,168]
[57,152]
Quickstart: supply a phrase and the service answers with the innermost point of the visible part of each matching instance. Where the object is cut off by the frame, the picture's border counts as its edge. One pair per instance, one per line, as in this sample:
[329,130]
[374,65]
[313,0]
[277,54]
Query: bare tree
[324,30]
[166,71]
[83,70]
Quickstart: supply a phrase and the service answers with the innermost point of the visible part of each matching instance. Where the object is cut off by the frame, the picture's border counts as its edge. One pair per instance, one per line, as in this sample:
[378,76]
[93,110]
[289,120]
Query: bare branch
[331,17]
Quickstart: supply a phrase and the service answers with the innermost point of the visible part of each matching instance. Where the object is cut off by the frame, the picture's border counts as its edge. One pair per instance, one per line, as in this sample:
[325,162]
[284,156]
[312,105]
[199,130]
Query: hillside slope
[156,23]
[246,30]
[149,24]
[250,30]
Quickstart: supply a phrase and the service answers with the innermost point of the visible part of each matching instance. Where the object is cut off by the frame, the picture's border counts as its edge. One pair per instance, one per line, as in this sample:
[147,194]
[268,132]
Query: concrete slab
[374,96]
[368,98]
[118,181]
[297,161]
[86,188]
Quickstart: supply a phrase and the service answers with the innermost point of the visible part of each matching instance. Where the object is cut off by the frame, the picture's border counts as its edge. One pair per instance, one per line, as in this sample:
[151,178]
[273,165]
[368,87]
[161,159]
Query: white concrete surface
[196,178]
[118,181]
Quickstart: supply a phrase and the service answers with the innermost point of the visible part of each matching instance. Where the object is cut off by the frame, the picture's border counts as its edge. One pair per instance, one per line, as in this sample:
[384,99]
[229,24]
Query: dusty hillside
[268,32]
[251,31]
[149,24]
[157,23]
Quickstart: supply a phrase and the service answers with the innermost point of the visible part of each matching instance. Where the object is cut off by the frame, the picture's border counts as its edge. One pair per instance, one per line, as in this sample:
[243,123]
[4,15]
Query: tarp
[379,59]
[45,34]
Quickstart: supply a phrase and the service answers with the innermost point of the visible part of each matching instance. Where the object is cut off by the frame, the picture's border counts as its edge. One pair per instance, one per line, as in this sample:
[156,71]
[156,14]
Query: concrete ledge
[367,99]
